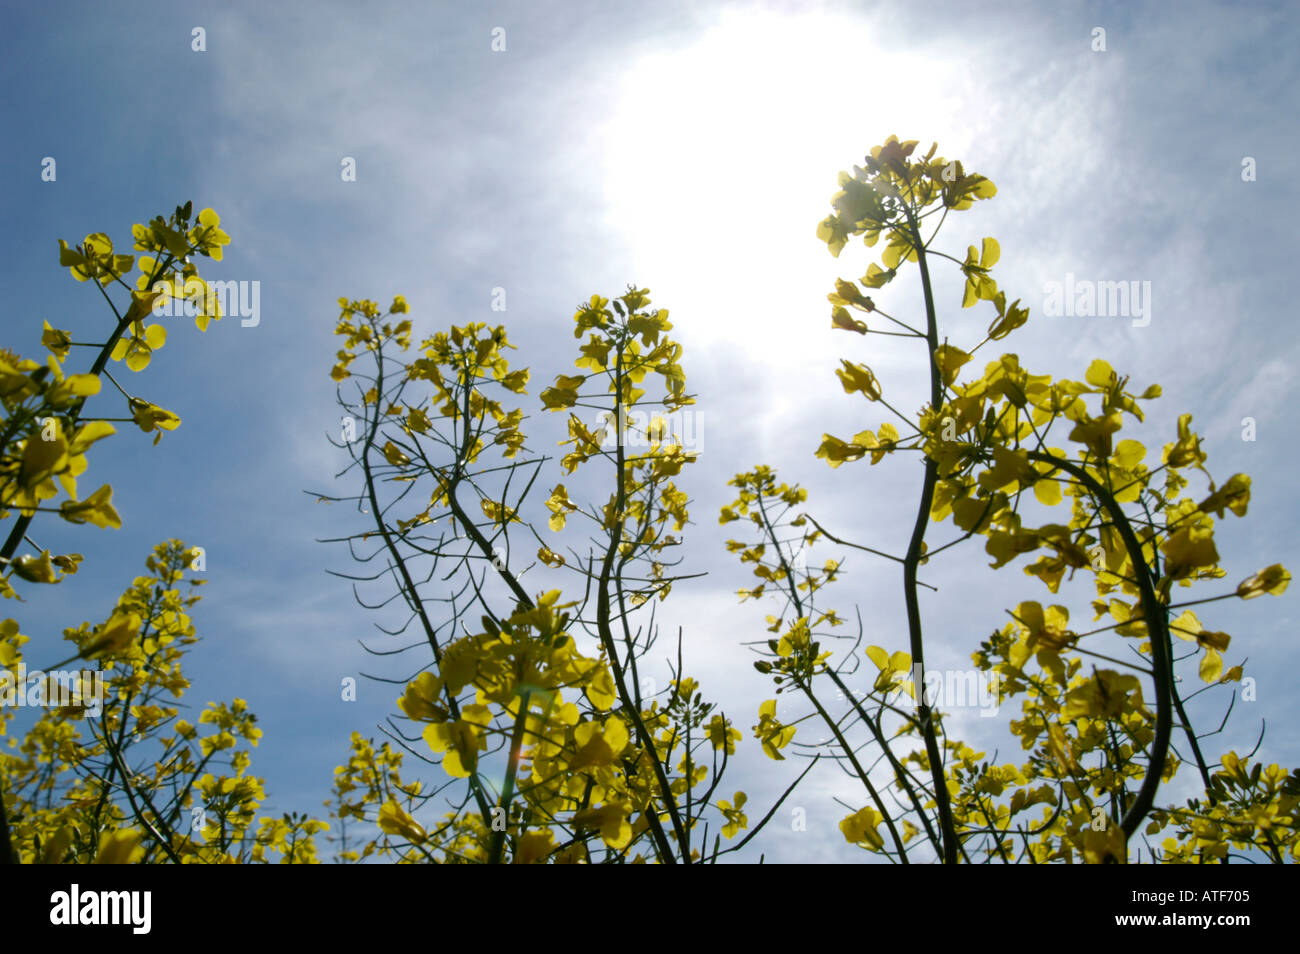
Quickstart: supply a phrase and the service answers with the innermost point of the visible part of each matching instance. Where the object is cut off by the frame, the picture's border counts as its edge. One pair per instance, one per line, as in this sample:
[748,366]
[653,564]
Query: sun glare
[721,159]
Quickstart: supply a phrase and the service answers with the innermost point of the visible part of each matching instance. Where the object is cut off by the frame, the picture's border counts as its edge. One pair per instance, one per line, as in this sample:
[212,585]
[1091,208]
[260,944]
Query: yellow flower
[420,701]
[597,744]
[1108,696]
[534,846]
[860,829]
[206,237]
[57,341]
[1272,579]
[97,509]
[120,847]
[611,819]
[978,283]
[858,377]
[394,455]
[36,569]
[559,505]
[138,349]
[395,821]
[736,819]
[722,735]
[150,416]
[771,732]
[118,633]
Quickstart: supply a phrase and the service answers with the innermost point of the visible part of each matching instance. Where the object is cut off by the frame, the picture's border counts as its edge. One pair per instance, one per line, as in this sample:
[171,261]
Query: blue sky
[691,148]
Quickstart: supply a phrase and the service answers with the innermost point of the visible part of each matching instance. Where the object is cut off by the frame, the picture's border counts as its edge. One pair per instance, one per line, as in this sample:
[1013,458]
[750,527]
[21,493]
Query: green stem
[1155,615]
[497,847]
[913,560]
[611,650]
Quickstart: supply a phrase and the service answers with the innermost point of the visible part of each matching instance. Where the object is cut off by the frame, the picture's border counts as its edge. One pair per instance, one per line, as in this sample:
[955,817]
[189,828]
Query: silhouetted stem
[1153,612]
[913,560]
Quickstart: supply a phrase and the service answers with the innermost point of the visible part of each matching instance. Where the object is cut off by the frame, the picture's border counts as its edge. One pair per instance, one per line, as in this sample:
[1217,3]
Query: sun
[721,158]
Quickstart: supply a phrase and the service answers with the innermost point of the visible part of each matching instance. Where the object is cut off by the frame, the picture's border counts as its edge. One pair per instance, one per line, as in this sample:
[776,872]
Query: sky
[687,147]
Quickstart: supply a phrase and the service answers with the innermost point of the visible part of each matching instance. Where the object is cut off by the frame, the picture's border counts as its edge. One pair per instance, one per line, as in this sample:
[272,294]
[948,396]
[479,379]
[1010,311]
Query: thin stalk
[1154,613]
[497,847]
[913,560]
